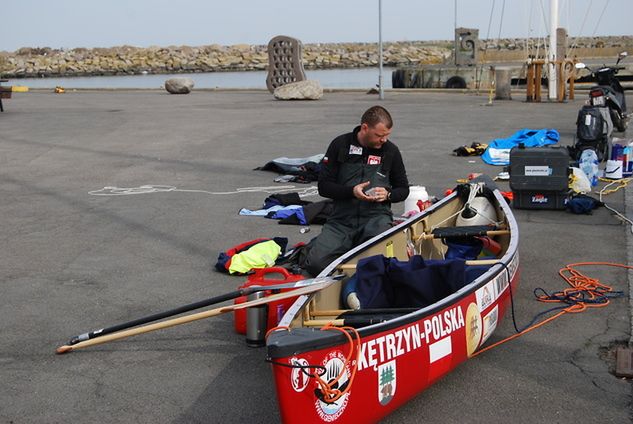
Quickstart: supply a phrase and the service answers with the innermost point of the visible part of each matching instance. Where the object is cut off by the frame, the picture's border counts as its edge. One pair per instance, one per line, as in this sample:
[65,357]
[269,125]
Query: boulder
[300,90]
[179,85]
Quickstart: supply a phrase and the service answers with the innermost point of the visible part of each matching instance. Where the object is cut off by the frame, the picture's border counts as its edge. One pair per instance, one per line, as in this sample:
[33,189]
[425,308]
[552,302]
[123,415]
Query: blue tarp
[498,151]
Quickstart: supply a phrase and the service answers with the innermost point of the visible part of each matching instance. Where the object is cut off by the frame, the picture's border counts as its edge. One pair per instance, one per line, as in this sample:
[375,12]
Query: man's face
[373,137]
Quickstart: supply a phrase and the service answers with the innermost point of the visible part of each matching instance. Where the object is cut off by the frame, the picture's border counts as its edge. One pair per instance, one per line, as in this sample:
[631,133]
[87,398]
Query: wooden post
[538,71]
[530,83]
[572,77]
[561,92]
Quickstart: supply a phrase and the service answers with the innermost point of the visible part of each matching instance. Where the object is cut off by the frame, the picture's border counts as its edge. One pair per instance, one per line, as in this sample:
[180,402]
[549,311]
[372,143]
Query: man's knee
[326,247]
[315,263]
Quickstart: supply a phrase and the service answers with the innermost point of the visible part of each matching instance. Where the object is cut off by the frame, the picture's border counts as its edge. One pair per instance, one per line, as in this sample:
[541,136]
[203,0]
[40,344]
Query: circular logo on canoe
[299,377]
[474,328]
[335,366]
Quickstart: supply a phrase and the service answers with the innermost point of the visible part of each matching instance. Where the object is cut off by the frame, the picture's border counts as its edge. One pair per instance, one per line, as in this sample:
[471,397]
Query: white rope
[600,18]
[157,188]
[492,11]
[503,8]
[619,214]
[582,27]
[529,32]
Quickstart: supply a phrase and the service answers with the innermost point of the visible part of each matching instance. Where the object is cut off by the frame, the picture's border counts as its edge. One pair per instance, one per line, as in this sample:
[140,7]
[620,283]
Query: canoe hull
[397,364]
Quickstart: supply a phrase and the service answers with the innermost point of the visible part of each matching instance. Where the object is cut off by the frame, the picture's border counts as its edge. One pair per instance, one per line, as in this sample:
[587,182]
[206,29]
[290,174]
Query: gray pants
[338,237]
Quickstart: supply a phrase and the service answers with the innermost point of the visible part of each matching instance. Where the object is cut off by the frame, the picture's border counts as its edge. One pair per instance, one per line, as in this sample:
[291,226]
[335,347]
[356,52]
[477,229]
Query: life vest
[242,258]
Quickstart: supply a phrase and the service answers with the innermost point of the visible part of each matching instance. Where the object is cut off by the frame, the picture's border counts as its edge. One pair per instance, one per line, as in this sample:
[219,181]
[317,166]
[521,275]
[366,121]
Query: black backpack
[589,132]
[589,124]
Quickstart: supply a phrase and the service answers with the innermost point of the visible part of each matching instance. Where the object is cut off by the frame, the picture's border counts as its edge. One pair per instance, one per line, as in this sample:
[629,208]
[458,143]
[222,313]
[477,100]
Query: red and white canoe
[323,374]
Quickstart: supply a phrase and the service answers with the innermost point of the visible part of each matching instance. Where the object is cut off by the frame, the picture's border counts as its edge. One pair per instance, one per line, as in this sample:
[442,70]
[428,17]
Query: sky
[90,23]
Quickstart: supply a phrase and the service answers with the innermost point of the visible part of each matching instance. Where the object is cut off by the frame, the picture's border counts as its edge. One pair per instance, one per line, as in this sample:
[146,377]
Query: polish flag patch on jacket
[373,160]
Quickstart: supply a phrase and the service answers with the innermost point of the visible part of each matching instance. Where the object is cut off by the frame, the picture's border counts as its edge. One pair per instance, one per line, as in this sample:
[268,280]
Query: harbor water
[359,78]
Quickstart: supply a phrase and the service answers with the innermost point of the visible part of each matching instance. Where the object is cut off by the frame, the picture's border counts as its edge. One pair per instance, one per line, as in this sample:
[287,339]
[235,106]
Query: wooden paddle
[182,309]
[344,267]
[319,284]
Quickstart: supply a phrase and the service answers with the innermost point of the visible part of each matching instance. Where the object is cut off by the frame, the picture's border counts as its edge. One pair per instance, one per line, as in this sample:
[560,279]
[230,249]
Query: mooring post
[503,83]
[529,96]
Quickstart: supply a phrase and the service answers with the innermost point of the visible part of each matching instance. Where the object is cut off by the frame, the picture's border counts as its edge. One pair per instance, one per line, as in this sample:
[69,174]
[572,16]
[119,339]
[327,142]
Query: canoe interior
[392,244]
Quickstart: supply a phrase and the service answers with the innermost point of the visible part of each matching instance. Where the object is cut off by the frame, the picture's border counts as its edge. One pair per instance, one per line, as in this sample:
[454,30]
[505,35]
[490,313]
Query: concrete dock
[76,258]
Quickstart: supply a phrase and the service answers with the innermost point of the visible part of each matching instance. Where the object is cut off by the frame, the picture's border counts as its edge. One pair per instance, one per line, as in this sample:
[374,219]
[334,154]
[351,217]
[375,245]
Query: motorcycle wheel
[619,122]
[602,151]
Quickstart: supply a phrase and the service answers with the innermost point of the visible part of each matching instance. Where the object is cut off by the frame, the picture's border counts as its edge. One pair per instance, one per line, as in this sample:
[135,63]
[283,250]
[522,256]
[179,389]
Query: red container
[261,277]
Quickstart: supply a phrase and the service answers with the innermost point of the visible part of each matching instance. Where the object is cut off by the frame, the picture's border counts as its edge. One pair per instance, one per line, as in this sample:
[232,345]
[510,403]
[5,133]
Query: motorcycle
[609,92]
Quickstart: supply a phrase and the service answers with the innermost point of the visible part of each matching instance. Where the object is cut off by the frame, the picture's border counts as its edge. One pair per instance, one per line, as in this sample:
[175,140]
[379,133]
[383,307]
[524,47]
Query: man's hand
[375,194]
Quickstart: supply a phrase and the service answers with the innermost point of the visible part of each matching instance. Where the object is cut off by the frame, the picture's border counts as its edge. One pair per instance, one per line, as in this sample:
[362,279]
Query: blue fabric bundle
[498,151]
[389,283]
[583,204]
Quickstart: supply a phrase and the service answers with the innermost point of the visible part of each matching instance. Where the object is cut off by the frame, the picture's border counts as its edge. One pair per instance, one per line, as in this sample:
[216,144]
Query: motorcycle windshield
[604,76]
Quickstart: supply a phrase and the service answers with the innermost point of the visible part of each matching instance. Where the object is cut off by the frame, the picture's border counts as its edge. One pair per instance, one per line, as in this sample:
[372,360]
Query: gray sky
[90,23]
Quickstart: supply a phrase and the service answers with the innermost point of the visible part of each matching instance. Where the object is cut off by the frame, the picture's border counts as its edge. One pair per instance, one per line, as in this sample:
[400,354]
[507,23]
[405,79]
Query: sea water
[363,78]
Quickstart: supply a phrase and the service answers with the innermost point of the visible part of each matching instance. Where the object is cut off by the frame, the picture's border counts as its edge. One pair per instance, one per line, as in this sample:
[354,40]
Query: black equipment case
[539,177]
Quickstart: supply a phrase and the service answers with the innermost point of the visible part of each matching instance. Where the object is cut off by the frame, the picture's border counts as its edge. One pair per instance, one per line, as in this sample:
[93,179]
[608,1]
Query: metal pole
[553,80]
[455,31]
[381,93]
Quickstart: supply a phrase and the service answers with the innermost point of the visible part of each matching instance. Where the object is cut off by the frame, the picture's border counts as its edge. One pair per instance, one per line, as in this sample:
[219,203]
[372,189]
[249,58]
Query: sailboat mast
[381,92]
[552,49]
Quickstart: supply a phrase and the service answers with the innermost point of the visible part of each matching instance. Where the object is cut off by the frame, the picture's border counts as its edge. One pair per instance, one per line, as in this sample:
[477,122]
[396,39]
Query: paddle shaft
[343,267]
[346,312]
[486,233]
[195,317]
[177,311]
[355,321]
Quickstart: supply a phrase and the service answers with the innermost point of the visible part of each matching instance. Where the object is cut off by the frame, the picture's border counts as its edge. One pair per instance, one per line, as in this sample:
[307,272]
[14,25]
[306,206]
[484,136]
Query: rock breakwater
[128,60]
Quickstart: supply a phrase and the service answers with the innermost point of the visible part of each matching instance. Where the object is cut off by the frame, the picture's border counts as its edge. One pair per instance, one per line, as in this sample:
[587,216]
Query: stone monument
[284,62]
[466,46]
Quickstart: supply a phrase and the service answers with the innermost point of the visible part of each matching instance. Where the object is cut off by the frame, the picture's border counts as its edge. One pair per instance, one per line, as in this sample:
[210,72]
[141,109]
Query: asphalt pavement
[116,204]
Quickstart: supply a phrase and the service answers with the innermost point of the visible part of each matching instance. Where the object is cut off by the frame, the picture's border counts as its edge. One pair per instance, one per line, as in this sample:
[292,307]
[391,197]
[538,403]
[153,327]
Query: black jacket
[345,149]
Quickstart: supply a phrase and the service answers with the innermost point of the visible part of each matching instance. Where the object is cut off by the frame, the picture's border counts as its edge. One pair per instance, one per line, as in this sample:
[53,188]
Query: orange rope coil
[584,293]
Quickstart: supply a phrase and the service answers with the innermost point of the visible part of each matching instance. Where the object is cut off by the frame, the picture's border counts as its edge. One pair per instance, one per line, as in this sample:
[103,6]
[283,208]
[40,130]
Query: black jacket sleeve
[328,187]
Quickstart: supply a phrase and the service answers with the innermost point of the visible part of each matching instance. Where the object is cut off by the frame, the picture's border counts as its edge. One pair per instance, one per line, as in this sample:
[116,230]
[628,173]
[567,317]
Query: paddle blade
[63,349]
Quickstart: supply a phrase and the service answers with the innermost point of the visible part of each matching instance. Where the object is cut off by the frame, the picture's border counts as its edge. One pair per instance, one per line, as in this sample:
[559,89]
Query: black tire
[397,78]
[456,82]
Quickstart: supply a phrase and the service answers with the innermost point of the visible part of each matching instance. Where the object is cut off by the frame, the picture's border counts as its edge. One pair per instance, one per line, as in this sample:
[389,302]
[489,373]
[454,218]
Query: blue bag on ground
[583,204]
[498,151]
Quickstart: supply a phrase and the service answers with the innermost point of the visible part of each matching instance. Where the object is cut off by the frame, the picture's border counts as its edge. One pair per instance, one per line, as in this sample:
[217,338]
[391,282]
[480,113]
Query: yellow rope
[623,182]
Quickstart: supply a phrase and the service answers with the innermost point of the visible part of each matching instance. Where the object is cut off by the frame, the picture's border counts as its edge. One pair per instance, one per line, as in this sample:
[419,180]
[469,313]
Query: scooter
[609,92]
